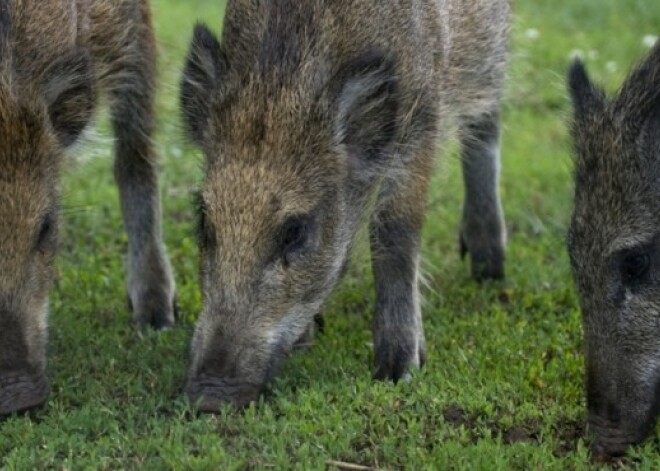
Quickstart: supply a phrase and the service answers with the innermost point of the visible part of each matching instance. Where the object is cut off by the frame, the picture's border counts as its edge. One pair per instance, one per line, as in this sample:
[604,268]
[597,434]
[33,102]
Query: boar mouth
[612,440]
[615,429]
[20,391]
[210,393]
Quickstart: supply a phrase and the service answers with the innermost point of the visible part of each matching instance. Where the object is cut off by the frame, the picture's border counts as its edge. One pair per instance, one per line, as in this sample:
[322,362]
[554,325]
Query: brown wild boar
[614,245]
[56,57]
[314,117]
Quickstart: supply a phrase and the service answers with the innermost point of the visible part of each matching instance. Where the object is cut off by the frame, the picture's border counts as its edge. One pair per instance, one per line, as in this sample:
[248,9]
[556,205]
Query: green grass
[503,385]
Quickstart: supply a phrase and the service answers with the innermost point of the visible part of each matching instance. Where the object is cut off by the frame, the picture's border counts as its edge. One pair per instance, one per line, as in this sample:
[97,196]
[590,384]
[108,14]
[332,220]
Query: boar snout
[612,438]
[619,416]
[21,390]
[209,393]
[609,441]
[228,368]
[23,381]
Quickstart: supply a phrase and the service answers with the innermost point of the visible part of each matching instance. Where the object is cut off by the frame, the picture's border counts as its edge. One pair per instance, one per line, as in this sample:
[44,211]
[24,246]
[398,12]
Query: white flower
[532,33]
[176,152]
[576,54]
[611,66]
[649,40]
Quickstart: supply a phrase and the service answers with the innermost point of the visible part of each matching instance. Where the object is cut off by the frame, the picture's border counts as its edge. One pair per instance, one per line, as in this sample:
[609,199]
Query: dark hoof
[396,359]
[156,311]
[486,263]
[307,338]
[22,391]
[601,455]
[319,322]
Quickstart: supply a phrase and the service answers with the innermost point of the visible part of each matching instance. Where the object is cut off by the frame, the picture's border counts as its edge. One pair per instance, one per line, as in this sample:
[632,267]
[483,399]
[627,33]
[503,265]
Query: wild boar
[315,117]
[56,58]
[614,247]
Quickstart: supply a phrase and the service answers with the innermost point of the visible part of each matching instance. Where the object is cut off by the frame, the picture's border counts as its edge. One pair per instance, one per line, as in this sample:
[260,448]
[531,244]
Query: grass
[503,385]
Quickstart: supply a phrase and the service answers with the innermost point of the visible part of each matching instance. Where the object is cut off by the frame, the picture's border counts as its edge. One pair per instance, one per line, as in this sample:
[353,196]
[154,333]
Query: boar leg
[150,282]
[483,234]
[395,233]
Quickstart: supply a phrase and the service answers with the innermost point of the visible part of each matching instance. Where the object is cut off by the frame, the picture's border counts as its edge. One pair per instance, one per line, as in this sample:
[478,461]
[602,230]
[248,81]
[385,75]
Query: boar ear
[4,30]
[206,64]
[70,94]
[642,100]
[367,107]
[649,136]
[586,98]
[640,94]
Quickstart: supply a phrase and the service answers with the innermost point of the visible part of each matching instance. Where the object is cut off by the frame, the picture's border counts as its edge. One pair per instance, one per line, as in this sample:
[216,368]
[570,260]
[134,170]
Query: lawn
[502,388]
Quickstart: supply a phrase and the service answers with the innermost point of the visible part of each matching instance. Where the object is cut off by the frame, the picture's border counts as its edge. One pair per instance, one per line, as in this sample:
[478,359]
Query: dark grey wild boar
[314,117]
[614,245]
[56,57]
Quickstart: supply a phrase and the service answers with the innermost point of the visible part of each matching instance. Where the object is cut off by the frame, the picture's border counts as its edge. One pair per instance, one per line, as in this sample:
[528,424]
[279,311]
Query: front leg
[395,234]
[483,233]
[398,332]
[150,281]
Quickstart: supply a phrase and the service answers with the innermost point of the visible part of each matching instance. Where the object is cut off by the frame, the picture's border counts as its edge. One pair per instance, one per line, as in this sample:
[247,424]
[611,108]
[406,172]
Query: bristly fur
[614,246]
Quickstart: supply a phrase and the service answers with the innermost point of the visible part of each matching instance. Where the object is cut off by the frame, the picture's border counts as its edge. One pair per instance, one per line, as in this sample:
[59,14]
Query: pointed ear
[5,24]
[68,86]
[586,98]
[640,94]
[649,137]
[5,42]
[206,66]
[367,106]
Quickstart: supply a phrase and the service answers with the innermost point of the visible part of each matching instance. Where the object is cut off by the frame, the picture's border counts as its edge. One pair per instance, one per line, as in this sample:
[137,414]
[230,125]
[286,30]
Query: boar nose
[21,390]
[23,385]
[219,381]
[604,424]
[611,428]
[210,393]
[610,440]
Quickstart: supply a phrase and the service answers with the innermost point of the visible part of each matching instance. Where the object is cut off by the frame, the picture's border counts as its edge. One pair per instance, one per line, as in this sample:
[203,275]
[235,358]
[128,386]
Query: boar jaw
[23,380]
[21,390]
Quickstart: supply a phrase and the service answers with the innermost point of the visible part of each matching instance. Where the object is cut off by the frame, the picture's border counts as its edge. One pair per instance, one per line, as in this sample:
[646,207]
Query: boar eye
[294,236]
[204,232]
[45,233]
[634,265]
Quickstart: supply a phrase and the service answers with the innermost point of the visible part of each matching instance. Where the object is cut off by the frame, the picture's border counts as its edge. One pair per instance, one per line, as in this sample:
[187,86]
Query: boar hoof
[22,391]
[319,323]
[486,262]
[155,309]
[601,455]
[395,359]
[307,338]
